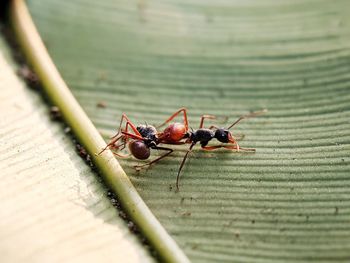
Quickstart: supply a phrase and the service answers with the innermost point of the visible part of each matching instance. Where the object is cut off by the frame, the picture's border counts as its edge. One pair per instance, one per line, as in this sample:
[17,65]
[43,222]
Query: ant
[204,135]
[145,138]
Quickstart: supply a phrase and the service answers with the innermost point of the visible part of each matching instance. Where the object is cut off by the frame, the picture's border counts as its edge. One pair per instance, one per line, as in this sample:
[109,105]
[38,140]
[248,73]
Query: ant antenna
[253,114]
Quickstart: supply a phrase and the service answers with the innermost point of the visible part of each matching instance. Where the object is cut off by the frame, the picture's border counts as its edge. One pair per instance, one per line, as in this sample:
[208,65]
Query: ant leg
[124,117]
[157,159]
[176,143]
[205,117]
[121,155]
[230,147]
[133,136]
[210,148]
[253,114]
[123,146]
[119,148]
[119,136]
[111,143]
[126,136]
[240,149]
[184,110]
[182,164]
[213,127]
[133,127]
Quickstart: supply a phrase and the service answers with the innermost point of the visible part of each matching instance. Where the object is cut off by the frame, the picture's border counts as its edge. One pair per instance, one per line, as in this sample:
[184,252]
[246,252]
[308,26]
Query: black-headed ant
[204,135]
[146,137]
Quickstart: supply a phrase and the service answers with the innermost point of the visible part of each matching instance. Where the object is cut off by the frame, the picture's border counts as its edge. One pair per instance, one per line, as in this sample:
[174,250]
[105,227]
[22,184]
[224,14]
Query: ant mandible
[204,135]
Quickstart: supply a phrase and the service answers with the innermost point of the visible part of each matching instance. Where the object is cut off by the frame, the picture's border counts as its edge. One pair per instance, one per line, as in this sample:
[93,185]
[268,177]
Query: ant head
[223,135]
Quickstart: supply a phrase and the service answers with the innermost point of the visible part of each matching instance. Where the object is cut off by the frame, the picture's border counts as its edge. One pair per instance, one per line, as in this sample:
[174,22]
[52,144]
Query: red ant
[176,132]
[145,137]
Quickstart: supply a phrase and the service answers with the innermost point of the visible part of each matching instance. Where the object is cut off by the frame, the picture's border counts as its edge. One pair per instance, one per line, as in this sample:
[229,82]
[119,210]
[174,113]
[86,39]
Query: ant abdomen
[139,150]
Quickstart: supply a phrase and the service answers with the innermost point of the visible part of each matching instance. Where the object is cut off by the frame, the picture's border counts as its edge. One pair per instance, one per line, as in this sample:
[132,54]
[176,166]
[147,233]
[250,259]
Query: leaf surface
[288,201]
[53,207]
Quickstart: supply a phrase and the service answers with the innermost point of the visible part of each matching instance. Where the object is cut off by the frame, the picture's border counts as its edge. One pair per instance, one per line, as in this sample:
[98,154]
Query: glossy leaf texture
[287,202]
[53,207]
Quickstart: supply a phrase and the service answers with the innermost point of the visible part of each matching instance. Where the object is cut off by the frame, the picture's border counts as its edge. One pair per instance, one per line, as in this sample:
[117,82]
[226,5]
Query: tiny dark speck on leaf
[81,150]
[55,113]
[113,201]
[67,130]
[102,76]
[84,154]
[123,215]
[132,227]
[28,75]
[336,211]
[253,221]
[101,104]
[209,19]
[186,214]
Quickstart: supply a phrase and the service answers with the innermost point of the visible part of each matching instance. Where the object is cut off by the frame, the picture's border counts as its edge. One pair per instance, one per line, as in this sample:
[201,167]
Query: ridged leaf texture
[287,202]
[53,207]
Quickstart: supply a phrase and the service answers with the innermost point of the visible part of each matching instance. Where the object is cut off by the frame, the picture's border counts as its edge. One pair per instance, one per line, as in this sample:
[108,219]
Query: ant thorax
[147,132]
[202,135]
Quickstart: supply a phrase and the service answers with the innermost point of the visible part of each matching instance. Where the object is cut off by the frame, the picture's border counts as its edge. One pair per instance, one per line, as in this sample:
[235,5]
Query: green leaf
[288,201]
[53,208]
